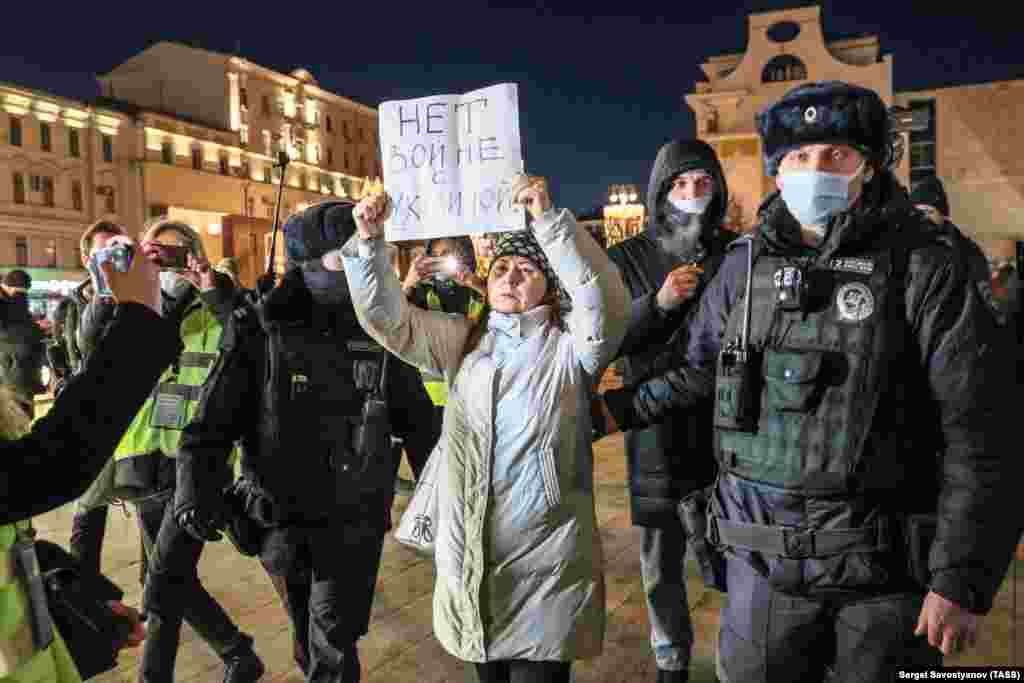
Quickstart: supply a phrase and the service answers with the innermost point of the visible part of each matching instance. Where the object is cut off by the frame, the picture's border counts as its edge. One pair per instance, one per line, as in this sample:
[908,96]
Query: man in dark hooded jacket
[686,200]
[848,545]
[305,390]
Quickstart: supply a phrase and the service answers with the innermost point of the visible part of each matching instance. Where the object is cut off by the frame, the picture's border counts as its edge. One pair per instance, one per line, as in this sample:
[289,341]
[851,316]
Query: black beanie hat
[930,191]
[825,112]
[311,233]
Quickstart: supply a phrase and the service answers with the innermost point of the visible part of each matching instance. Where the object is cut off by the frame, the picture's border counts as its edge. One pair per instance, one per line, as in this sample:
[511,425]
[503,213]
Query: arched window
[783,68]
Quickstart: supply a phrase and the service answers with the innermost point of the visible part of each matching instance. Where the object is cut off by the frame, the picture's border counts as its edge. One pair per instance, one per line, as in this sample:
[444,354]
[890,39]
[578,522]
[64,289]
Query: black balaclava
[310,234]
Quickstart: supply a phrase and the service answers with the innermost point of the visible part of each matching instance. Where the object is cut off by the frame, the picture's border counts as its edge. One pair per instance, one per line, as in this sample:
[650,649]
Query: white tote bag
[418,527]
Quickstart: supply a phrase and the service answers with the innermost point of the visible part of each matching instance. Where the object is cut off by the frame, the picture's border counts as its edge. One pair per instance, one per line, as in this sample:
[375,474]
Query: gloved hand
[202,525]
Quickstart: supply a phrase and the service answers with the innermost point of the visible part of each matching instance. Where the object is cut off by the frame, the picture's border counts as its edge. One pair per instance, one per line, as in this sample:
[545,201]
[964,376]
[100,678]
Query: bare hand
[138,633]
[141,284]
[370,215]
[679,286]
[485,245]
[531,192]
[948,626]
[412,278]
[200,273]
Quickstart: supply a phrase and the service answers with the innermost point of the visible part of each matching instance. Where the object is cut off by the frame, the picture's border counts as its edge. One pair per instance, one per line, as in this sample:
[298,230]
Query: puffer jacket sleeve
[429,340]
[600,301]
[958,342]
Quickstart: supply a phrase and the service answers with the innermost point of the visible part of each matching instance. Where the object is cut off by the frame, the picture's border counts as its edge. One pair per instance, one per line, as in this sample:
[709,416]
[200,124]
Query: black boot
[681,676]
[241,664]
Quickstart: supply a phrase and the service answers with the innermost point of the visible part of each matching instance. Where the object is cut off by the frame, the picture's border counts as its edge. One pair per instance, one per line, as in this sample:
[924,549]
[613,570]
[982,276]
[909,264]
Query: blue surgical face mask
[815,196]
[698,205]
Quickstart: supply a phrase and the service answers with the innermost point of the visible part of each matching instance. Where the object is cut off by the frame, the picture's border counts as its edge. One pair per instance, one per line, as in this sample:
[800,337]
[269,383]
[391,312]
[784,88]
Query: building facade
[973,142]
[58,173]
[181,132]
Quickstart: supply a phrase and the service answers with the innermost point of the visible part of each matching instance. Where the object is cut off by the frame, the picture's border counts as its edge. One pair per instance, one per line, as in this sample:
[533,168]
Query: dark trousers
[766,636]
[87,531]
[524,671]
[330,573]
[173,593]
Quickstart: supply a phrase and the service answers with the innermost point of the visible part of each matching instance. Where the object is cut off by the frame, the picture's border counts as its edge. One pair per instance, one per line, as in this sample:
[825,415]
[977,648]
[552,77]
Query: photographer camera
[53,461]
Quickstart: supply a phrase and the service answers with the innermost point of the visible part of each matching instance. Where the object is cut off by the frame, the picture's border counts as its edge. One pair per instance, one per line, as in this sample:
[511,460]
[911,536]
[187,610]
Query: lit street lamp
[623,215]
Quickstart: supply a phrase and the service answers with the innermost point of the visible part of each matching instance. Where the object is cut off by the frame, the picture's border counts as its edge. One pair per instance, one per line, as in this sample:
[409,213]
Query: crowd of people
[813,410]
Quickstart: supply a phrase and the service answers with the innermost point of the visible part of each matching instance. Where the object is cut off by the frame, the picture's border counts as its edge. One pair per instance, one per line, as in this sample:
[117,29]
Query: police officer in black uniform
[314,402]
[850,546]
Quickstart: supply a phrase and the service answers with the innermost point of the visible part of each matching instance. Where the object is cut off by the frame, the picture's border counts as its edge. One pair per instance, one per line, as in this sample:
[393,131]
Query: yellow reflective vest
[436,386]
[176,396]
[20,662]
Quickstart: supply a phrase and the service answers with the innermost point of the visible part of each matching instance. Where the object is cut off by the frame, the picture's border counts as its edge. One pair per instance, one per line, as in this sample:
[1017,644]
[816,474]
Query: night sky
[598,94]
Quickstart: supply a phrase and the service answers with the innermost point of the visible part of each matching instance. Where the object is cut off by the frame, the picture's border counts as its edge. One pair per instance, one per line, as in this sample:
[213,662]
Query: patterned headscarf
[523,243]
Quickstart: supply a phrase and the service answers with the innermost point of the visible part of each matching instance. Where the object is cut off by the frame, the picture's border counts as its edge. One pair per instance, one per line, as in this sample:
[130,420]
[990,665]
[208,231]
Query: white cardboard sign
[446,162]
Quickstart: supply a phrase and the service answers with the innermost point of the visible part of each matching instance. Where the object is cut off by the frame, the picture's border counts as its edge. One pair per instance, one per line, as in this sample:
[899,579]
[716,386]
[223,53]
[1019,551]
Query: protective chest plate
[819,371]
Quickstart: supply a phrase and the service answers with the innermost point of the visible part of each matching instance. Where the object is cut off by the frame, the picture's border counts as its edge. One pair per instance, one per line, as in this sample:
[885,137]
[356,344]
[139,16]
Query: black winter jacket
[233,403]
[961,379]
[668,460]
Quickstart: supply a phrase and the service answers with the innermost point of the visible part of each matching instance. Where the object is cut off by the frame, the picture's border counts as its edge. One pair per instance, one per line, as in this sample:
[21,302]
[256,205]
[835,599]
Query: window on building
[21,251]
[303,180]
[245,169]
[328,123]
[243,97]
[224,166]
[316,154]
[344,131]
[78,254]
[266,142]
[44,137]
[362,166]
[167,153]
[360,134]
[330,157]
[51,253]
[74,151]
[47,191]
[783,68]
[108,149]
[265,105]
[19,188]
[345,167]
[922,143]
[111,201]
[36,183]
[243,134]
[15,135]
[76,194]
[267,173]
[197,158]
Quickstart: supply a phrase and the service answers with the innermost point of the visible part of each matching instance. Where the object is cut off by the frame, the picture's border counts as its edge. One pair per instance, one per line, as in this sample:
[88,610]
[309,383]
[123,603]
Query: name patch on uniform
[854,302]
[862,266]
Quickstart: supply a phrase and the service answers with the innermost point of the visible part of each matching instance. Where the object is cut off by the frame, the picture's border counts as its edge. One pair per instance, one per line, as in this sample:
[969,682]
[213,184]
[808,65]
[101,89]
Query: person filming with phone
[145,468]
[444,278]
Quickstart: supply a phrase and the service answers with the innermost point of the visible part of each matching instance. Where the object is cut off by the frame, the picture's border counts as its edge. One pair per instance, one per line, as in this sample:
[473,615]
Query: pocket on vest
[792,380]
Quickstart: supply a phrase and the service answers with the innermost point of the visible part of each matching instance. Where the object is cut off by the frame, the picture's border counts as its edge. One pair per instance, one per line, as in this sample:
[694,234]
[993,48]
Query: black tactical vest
[320,374]
[821,371]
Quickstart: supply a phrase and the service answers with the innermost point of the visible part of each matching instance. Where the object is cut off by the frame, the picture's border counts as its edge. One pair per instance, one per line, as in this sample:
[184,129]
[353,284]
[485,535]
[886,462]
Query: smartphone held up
[119,256]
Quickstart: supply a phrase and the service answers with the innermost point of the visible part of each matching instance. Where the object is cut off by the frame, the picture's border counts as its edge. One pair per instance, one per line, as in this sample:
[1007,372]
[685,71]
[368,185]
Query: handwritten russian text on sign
[446,160]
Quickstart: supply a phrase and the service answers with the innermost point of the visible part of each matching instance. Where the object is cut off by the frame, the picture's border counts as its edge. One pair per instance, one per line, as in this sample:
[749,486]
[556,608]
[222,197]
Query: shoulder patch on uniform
[364,346]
